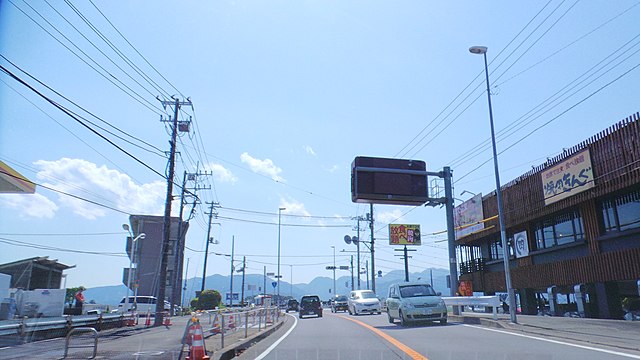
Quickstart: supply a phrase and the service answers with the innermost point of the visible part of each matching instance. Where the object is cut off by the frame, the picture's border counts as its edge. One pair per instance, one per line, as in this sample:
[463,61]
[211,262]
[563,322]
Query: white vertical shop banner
[521,244]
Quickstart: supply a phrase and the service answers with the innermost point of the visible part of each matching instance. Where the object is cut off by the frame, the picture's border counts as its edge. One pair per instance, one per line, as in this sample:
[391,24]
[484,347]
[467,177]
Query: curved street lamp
[482,50]
[140,236]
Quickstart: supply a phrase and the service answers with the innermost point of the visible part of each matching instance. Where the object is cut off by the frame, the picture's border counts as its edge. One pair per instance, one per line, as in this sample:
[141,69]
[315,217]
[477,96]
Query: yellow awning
[12,182]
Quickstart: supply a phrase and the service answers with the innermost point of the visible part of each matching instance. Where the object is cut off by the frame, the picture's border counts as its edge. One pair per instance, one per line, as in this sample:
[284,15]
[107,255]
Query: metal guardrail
[81,330]
[491,301]
[28,328]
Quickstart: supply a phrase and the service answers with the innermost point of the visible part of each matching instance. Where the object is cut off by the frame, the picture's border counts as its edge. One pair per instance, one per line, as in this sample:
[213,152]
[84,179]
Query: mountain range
[254,283]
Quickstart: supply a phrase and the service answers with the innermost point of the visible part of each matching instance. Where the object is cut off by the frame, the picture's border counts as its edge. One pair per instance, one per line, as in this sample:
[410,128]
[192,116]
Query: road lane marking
[404,348]
[273,346]
[558,342]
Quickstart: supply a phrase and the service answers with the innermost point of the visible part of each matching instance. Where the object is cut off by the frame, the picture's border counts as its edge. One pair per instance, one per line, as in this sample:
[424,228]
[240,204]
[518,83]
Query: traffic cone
[148,321]
[232,322]
[197,350]
[216,326]
[131,321]
[167,319]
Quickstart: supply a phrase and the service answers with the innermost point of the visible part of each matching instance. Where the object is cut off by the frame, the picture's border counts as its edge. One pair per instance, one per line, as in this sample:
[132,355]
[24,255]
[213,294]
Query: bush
[209,299]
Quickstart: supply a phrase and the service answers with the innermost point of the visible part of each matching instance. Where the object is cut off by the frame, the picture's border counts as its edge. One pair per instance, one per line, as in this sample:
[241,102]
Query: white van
[415,301]
[142,304]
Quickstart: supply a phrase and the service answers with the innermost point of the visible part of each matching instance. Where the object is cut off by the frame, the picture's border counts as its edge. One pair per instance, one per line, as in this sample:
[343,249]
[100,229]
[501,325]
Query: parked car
[310,305]
[415,301]
[292,305]
[339,303]
[142,304]
[363,301]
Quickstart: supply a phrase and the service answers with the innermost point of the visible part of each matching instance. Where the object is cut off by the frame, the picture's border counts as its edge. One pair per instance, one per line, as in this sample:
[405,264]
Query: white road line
[558,342]
[273,346]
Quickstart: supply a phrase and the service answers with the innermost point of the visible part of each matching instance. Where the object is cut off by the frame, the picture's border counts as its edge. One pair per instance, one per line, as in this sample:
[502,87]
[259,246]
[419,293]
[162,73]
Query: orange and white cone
[216,326]
[197,350]
[148,321]
[167,319]
[232,322]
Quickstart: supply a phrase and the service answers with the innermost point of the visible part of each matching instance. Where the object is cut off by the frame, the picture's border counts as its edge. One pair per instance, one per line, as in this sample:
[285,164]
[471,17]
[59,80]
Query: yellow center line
[404,348]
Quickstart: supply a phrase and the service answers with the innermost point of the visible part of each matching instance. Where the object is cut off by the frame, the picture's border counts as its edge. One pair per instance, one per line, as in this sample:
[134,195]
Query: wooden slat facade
[615,158]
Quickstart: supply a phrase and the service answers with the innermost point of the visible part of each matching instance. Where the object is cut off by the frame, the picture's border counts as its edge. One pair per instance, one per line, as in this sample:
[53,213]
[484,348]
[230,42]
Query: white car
[363,301]
[415,301]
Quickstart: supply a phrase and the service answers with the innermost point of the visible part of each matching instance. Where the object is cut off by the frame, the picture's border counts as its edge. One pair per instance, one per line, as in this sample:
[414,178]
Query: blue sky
[286,94]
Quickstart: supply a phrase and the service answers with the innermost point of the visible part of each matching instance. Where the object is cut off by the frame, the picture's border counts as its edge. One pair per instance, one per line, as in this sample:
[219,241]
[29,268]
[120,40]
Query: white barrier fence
[222,322]
[490,301]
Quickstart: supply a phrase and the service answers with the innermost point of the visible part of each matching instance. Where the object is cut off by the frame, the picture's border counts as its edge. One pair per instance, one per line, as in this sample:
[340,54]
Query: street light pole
[278,273]
[503,233]
[133,256]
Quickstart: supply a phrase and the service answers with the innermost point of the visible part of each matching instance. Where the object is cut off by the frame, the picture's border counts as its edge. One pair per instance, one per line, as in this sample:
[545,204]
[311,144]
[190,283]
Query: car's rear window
[308,300]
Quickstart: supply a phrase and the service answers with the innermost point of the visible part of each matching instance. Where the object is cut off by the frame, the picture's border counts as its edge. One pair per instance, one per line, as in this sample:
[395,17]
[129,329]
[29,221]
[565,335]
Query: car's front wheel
[389,318]
[443,322]
[403,321]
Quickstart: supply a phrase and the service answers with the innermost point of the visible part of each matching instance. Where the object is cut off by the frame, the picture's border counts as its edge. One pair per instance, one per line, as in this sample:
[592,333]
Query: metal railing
[490,301]
[30,329]
[93,332]
[221,322]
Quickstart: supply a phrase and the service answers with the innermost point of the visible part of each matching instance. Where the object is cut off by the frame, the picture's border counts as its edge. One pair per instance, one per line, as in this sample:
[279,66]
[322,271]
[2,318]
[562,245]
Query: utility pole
[358,219]
[211,213]
[406,261]
[244,264]
[233,239]
[352,288]
[373,258]
[166,229]
[178,264]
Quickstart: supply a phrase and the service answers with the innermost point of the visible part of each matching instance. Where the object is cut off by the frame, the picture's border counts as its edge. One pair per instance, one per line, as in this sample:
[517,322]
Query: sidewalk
[618,334]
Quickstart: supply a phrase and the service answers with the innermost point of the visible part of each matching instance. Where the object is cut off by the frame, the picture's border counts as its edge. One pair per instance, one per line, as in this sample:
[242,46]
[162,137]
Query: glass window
[622,212]
[559,230]
[496,250]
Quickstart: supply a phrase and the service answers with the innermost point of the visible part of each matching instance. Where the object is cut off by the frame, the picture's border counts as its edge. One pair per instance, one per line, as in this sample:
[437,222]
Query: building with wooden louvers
[573,225]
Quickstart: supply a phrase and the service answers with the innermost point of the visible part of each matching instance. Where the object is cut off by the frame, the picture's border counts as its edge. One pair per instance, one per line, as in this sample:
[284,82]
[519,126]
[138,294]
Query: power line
[134,48]
[109,78]
[76,118]
[67,194]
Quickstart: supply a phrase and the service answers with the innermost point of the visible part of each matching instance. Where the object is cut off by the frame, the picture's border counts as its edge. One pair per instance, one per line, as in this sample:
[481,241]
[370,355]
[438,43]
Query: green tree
[208,299]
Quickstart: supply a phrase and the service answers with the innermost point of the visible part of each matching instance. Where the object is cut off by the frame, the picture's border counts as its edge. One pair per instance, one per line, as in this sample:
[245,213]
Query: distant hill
[322,286]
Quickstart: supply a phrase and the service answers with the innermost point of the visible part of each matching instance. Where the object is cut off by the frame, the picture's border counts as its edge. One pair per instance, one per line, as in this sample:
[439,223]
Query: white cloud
[102,185]
[264,167]
[309,150]
[222,174]
[30,205]
[389,217]
[293,207]
[333,169]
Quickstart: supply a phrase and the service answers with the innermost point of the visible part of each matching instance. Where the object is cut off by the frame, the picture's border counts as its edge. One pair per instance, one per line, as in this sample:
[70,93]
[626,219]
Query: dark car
[339,303]
[292,305]
[310,305]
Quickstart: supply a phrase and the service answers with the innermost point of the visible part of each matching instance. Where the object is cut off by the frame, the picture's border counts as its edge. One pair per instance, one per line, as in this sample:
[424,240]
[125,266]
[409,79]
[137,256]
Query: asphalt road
[341,336]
